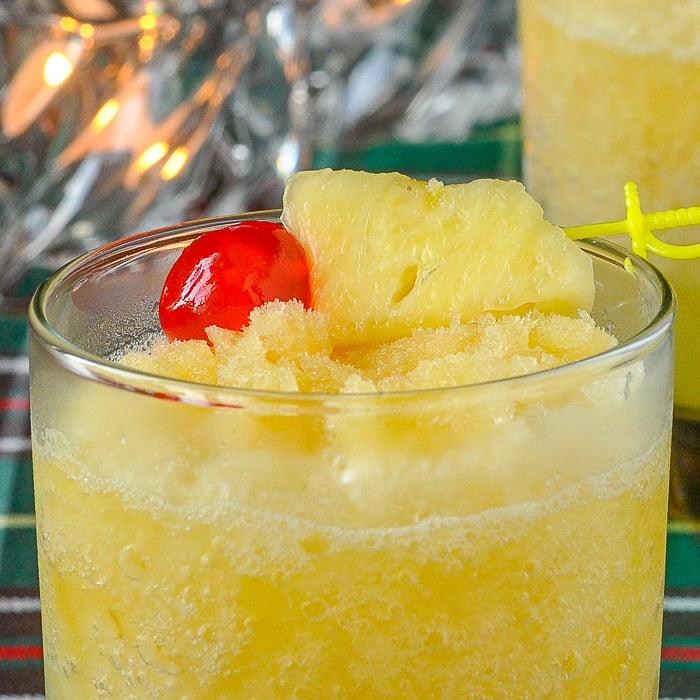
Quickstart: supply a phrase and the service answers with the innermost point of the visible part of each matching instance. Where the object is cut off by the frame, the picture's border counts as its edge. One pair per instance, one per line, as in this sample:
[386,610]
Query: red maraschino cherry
[222,275]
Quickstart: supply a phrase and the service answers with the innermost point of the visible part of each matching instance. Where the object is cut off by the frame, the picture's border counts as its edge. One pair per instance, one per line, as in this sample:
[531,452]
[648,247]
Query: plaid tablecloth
[20,632]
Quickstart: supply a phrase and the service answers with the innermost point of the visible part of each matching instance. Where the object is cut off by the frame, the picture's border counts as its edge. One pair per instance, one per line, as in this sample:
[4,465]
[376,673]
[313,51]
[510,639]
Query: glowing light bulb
[86,31]
[146,43]
[175,163]
[105,114]
[151,155]
[68,24]
[147,22]
[57,68]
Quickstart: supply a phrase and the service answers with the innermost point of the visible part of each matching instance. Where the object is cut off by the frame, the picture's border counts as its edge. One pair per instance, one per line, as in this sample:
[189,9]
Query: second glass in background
[610,94]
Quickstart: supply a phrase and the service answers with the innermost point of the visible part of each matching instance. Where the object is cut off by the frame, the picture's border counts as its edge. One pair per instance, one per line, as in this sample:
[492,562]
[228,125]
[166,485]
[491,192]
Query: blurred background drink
[610,94]
[502,539]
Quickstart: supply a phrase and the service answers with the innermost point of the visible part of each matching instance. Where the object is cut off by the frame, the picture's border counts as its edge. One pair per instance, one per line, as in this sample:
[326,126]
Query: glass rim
[97,368]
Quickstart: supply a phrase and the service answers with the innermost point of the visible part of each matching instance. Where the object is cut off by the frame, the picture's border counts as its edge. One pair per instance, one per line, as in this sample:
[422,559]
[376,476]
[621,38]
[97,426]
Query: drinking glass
[501,539]
[606,89]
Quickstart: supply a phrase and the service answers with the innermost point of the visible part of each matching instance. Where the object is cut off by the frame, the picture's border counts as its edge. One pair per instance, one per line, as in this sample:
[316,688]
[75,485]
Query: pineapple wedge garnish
[389,253]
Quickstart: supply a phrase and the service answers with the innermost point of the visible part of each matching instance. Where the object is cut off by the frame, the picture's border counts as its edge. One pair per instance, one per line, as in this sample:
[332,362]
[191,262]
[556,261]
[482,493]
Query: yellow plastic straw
[639,227]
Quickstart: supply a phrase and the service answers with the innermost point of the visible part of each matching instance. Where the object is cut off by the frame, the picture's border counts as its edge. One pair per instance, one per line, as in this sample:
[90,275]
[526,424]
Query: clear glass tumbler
[504,538]
[585,137]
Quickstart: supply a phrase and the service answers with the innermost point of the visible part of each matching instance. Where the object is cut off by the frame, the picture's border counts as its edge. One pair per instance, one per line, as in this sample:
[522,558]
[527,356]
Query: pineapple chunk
[389,253]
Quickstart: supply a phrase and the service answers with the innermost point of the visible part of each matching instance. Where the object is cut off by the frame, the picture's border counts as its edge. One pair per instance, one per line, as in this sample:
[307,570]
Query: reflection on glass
[124,116]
